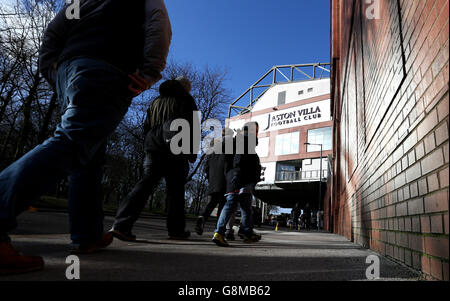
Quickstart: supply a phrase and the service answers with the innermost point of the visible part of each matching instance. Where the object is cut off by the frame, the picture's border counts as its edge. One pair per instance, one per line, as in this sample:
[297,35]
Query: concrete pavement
[279,256]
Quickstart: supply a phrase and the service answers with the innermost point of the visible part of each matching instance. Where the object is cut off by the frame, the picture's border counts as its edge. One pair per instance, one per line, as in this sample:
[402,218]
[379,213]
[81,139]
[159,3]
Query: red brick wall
[390,91]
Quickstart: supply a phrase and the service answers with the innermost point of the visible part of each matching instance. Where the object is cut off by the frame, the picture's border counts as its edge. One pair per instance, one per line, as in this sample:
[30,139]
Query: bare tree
[208,87]
[27,104]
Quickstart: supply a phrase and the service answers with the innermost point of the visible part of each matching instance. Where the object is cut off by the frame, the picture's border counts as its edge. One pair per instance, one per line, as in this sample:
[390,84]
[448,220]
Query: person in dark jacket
[97,63]
[243,172]
[295,215]
[174,102]
[307,213]
[215,173]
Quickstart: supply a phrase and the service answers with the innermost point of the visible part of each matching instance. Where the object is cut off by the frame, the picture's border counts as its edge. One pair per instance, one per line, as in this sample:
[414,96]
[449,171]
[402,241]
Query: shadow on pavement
[159,265]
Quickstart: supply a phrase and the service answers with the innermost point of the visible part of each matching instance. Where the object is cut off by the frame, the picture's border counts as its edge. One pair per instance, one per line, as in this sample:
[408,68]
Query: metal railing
[297,176]
[297,73]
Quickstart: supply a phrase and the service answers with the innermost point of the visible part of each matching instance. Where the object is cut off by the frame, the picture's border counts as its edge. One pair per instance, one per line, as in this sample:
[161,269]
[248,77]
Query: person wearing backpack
[174,103]
[243,172]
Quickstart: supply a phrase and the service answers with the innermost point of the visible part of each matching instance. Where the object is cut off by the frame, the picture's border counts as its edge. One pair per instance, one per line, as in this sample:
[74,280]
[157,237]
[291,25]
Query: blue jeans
[94,99]
[245,201]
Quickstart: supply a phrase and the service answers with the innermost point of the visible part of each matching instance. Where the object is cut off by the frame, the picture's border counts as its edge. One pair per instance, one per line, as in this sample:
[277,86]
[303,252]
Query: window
[288,170]
[300,92]
[287,144]
[310,90]
[307,161]
[285,167]
[320,136]
[282,98]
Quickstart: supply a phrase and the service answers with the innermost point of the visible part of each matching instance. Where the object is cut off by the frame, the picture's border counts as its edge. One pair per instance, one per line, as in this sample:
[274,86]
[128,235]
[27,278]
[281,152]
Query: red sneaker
[12,262]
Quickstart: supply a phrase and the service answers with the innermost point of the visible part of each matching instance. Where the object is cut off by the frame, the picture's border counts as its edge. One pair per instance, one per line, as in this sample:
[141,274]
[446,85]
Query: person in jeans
[243,172]
[215,173]
[174,102]
[98,63]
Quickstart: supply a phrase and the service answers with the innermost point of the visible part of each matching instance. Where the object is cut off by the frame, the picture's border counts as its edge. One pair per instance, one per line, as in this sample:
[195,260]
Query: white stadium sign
[293,117]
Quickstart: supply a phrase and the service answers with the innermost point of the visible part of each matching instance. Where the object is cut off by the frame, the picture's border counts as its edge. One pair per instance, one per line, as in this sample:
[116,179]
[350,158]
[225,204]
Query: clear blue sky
[248,37]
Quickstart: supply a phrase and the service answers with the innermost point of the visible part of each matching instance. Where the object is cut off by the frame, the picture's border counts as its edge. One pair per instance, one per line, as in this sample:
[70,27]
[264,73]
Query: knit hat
[185,82]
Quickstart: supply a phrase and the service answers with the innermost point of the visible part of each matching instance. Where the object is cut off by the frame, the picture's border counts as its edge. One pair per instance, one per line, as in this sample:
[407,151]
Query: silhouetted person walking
[243,172]
[98,63]
[174,102]
[295,216]
[215,173]
[307,213]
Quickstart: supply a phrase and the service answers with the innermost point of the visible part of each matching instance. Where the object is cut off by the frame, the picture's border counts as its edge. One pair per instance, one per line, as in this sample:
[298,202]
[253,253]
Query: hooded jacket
[242,169]
[172,103]
[130,35]
[215,166]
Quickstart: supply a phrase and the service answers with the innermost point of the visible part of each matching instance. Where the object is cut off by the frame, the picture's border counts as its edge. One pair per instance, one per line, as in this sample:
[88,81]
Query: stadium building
[292,107]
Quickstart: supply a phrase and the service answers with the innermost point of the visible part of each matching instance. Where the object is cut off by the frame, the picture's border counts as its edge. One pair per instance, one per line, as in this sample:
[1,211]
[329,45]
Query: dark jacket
[296,211]
[215,172]
[130,35]
[243,170]
[173,103]
[307,213]
[215,166]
